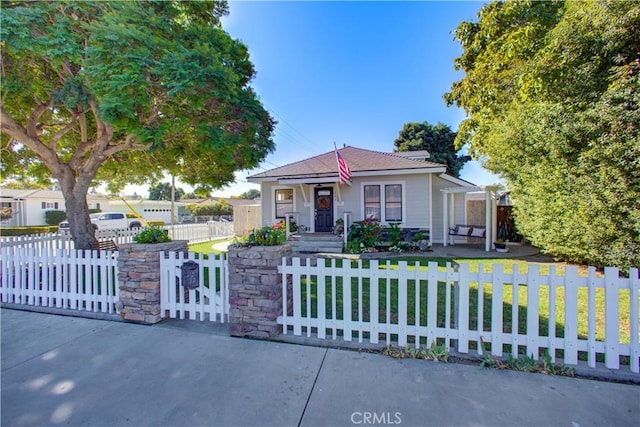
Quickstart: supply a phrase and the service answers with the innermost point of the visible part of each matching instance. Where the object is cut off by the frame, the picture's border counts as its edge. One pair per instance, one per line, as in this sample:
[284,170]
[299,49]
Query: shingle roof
[358,160]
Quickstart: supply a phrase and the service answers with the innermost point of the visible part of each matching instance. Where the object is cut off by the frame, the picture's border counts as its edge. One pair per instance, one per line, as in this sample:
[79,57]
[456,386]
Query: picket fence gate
[410,305]
[60,278]
[209,301]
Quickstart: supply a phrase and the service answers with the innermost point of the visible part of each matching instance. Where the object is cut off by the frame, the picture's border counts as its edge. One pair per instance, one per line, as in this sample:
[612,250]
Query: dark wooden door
[324,209]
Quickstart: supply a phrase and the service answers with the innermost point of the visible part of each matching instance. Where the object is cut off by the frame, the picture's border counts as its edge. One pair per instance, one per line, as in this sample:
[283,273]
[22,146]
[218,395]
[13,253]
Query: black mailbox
[190,275]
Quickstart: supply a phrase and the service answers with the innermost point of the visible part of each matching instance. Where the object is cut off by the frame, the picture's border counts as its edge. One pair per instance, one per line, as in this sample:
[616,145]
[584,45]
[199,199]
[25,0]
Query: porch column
[430,210]
[452,214]
[488,229]
[445,217]
[494,216]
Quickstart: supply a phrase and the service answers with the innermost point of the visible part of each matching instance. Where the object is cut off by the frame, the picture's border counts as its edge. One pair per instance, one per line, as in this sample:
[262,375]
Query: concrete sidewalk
[76,371]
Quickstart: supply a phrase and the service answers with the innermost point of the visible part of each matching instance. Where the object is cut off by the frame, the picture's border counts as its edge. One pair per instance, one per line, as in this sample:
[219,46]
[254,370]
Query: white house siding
[267,191]
[415,197]
[27,205]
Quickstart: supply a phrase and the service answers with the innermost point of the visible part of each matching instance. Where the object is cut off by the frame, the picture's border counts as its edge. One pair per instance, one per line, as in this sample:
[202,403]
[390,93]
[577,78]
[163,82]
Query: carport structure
[490,203]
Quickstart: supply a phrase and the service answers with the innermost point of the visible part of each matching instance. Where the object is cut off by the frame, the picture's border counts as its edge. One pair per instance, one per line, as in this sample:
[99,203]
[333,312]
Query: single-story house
[28,207]
[400,187]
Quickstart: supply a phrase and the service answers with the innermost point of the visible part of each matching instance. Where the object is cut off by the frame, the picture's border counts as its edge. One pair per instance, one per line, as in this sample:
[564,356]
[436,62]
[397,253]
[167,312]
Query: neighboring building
[391,187]
[28,207]
[158,210]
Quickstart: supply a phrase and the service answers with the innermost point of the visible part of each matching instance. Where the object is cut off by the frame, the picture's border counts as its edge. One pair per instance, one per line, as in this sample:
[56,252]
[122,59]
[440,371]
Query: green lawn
[360,295]
[205,247]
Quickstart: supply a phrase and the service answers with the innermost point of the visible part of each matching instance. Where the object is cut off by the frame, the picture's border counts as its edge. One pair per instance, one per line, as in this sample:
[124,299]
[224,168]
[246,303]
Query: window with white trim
[284,202]
[49,205]
[393,203]
[383,202]
[372,205]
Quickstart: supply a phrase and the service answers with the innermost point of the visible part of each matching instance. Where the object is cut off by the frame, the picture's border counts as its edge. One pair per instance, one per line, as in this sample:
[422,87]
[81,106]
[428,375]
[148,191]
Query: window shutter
[44,205]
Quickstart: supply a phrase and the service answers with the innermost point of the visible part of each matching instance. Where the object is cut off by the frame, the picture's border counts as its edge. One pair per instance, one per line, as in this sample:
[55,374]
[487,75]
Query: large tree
[124,92]
[438,140]
[552,93]
[162,191]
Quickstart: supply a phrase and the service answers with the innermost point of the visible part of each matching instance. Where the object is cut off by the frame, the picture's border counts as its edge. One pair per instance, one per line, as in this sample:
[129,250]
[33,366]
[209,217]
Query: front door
[324,209]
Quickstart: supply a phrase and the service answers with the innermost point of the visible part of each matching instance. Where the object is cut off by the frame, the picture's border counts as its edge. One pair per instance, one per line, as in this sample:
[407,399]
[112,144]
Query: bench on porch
[464,230]
[105,245]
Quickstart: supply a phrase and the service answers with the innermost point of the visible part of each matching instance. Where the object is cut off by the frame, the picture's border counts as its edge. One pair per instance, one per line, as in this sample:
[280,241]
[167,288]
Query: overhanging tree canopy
[123,92]
[552,93]
[438,140]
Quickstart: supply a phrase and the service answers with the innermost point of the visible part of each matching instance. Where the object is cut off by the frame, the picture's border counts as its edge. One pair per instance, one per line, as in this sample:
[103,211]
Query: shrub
[54,217]
[152,235]
[293,227]
[265,236]
[28,231]
[363,235]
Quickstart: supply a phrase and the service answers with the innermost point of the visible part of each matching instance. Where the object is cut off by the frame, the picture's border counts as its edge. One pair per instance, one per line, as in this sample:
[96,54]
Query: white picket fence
[210,301]
[60,278]
[200,232]
[38,241]
[417,306]
[194,233]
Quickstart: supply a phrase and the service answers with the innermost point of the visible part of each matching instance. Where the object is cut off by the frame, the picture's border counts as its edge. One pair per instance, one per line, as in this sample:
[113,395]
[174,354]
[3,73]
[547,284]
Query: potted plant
[423,244]
[500,246]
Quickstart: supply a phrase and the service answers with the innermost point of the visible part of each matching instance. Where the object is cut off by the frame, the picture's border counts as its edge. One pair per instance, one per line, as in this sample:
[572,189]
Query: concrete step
[317,242]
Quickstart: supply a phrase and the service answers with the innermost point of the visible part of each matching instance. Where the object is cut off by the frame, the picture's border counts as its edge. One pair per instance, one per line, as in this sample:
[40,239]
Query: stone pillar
[139,279]
[255,290]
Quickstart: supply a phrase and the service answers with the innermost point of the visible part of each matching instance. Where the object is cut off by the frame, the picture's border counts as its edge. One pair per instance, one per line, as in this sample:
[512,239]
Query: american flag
[343,170]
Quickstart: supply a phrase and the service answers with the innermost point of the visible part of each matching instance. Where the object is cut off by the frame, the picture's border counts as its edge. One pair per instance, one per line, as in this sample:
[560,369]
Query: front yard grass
[206,247]
[480,296]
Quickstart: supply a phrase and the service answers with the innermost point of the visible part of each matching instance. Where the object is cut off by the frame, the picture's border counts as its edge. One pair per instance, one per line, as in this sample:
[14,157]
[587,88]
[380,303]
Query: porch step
[317,242]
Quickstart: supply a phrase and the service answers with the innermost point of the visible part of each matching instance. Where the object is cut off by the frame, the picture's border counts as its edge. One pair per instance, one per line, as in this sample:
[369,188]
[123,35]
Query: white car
[63,227]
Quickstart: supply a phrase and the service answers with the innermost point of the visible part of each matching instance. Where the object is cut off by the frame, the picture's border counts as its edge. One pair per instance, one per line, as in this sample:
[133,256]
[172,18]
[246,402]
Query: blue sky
[350,72]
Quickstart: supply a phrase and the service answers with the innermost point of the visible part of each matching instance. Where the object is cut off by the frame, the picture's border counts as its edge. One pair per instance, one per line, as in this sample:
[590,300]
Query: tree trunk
[75,196]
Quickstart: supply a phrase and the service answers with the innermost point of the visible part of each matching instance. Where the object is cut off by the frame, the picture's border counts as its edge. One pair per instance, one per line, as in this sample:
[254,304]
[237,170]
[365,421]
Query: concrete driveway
[73,371]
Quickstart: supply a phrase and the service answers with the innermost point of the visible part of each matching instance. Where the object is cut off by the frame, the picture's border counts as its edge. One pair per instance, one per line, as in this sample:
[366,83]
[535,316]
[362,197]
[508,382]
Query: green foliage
[436,352]
[154,222]
[219,208]
[27,231]
[394,233]
[552,93]
[5,213]
[265,236]
[162,191]
[152,235]
[282,225]
[363,235]
[249,195]
[525,363]
[125,92]
[438,140]
[54,217]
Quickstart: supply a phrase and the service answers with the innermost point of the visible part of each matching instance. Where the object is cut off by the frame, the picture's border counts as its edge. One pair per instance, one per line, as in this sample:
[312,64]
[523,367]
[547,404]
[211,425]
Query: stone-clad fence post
[139,279]
[255,290]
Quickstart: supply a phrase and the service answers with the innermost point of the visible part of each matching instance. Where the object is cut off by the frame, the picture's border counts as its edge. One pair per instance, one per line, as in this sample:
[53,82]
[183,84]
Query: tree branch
[32,121]
[62,132]
[19,133]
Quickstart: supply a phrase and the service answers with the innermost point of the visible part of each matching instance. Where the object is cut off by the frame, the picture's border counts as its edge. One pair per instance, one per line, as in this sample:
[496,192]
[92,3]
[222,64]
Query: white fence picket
[611,316]
[634,290]
[61,278]
[209,301]
[402,327]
